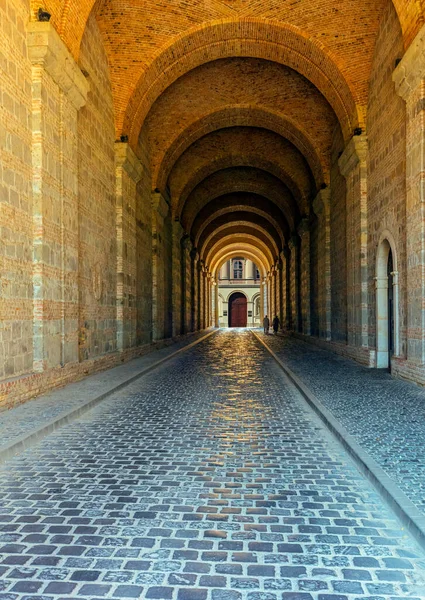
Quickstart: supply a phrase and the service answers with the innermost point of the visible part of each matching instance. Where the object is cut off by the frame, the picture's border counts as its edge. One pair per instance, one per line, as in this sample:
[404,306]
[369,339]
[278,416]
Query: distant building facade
[239,294]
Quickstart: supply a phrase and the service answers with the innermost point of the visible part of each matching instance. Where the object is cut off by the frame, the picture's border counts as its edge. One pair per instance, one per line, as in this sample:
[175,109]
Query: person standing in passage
[276,324]
[266,324]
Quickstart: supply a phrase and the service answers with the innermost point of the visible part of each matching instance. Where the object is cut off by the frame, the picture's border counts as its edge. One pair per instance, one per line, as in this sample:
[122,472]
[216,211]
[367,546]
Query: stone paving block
[101,507]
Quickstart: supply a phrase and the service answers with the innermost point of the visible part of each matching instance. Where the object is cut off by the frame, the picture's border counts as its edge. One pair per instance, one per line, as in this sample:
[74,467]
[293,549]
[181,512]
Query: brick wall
[97,211]
[16,226]
[338,245]
[386,127]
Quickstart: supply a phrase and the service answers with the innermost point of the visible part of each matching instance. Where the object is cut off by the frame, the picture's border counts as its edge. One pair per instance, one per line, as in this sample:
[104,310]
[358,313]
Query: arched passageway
[154,143]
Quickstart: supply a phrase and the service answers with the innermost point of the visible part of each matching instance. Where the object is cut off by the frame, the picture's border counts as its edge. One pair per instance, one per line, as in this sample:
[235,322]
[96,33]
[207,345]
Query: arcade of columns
[142,147]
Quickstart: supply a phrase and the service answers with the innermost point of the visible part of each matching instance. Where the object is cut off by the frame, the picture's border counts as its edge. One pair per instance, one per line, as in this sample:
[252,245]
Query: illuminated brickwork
[144,145]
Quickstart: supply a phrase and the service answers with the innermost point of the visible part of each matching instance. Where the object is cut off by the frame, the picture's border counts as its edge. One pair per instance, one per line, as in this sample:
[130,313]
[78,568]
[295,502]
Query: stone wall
[386,130]
[338,245]
[16,222]
[97,210]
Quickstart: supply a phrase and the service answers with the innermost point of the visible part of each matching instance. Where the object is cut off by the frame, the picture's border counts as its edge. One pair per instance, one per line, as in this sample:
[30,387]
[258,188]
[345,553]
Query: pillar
[295,320]
[409,78]
[199,284]
[128,172]
[353,166]
[185,281]
[161,272]
[286,287]
[321,207]
[194,257]
[280,291]
[59,91]
[305,282]
[178,233]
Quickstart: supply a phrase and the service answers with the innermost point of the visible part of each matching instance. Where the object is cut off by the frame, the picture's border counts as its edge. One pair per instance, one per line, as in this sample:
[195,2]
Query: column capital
[411,70]
[355,152]
[303,227]
[185,242]
[127,160]
[159,204]
[322,202]
[46,48]
[293,242]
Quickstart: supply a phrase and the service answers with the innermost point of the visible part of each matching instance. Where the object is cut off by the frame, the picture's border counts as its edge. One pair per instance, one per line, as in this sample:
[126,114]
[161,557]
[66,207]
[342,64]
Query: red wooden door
[238,311]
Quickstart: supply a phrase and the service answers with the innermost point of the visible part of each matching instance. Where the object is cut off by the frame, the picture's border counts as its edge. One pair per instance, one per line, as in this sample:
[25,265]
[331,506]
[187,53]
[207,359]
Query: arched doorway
[386,305]
[237,310]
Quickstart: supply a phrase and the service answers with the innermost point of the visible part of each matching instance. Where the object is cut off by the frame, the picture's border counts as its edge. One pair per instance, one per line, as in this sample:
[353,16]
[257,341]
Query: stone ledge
[128,161]
[45,48]
[355,152]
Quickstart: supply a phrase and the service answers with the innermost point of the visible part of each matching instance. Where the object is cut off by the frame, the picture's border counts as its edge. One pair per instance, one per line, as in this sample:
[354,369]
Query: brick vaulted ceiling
[237,101]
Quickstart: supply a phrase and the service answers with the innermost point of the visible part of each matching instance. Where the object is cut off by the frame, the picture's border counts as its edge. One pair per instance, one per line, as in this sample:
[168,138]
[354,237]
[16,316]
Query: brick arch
[70,17]
[243,115]
[237,240]
[241,228]
[232,251]
[233,203]
[242,219]
[249,160]
[240,180]
[238,146]
[411,14]
[251,37]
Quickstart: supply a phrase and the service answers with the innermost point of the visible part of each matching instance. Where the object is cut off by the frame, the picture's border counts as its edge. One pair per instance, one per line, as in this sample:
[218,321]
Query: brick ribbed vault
[240,185]
[184,112]
[241,146]
[237,241]
[232,251]
[232,204]
[158,25]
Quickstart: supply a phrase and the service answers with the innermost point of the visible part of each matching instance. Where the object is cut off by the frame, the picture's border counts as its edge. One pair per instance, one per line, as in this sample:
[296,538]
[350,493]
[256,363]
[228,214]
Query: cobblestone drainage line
[408,513]
[27,440]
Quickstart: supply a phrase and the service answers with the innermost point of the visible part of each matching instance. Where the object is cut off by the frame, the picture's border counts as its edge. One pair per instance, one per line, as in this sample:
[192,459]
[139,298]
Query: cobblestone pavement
[385,415]
[23,419]
[208,479]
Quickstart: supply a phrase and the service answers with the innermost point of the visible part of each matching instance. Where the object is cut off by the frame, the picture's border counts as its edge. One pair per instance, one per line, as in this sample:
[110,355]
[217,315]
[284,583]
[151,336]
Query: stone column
[59,90]
[353,166]
[160,268]
[409,78]
[321,206]
[178,234]
[209,299]
[194,257]
[185,247]
[280,284]
[286,287]
[199,284]
[305,283]
[128,172]
[294,267]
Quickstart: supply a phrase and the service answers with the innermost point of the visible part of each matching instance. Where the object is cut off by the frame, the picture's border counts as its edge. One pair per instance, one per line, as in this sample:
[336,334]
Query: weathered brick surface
[184,113]
[387,167]
[97,211]
[241,146]
[15,194]
[238,116]
[338,227]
